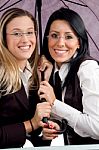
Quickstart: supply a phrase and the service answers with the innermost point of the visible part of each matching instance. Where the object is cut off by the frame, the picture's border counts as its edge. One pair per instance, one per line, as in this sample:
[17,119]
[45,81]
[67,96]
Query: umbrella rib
[76,3]
[90,9]
[93,41]
[64,3]
[10,5]
[84,4]
[4,4]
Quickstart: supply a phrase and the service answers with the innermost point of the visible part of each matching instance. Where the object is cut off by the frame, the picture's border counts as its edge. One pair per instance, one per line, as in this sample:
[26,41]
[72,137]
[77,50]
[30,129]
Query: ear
[78,44]
[78,47]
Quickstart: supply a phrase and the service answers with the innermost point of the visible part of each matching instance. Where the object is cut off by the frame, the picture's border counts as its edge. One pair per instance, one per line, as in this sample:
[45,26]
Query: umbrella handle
[45,119]
[42,75]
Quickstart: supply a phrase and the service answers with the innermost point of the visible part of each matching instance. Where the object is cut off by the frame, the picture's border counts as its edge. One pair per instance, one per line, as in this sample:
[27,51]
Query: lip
[24,47]
[58,51]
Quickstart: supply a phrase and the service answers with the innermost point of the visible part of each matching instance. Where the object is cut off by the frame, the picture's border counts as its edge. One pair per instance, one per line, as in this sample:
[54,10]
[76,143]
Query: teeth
[61,51]
[24,47]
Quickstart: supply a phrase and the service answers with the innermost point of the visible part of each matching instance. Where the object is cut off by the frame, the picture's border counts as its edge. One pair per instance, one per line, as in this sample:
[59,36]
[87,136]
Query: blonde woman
[20,118]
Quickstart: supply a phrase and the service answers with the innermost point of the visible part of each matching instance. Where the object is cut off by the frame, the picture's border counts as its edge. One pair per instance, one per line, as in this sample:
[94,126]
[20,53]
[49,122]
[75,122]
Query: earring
[78,47]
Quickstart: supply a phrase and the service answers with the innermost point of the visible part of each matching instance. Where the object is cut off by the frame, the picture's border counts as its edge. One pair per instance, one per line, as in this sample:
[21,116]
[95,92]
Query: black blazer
[14,110]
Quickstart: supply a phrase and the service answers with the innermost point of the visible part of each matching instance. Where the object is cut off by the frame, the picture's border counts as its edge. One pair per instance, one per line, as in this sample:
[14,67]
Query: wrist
[31,125]
[34,123]
[52,103]
[28,127]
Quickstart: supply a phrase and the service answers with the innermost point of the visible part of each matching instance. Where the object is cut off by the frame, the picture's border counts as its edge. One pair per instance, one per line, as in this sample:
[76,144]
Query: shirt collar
[63,71]
[27,71]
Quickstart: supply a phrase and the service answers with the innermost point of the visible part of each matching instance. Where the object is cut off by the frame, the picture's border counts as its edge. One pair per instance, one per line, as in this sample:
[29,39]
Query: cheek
[73,46]
[9,43]
[52,53]
[33,42]
[51,44]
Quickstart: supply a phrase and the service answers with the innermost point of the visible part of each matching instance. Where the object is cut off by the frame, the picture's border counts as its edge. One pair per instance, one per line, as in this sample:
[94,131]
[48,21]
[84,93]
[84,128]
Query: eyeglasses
[20,34]
[67,37]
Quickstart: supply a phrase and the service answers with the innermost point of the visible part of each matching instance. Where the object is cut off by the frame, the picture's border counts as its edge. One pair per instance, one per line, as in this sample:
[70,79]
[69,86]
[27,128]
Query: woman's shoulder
[89,63]
[88,68]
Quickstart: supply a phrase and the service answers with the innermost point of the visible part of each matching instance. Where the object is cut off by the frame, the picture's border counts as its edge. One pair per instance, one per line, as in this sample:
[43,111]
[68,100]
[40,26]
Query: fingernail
[51,126]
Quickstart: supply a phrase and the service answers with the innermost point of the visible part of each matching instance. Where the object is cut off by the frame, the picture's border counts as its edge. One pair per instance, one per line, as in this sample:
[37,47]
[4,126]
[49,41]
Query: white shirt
[87,123]
[25,75]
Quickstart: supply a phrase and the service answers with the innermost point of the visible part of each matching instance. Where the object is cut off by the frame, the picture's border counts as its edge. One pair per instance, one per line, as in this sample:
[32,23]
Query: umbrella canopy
[88,10]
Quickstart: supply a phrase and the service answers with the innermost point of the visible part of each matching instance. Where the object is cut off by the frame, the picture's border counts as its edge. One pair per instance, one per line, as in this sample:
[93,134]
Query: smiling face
[21,38]
[62,41]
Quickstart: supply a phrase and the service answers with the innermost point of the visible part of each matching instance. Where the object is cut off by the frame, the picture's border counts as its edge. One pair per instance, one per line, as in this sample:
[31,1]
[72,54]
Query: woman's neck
[22,64]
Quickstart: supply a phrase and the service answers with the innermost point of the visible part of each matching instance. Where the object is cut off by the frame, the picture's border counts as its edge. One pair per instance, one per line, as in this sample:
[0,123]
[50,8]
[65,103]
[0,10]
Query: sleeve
[12,136]
[85,124]
[37,140]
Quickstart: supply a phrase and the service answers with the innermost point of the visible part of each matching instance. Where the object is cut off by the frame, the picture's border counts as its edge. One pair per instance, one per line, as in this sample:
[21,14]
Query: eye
[17,33]
[30,33]
[54,35]
[68,37]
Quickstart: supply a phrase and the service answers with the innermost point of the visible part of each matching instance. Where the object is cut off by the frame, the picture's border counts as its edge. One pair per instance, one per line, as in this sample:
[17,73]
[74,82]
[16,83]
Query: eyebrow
[59,32]
[26,29]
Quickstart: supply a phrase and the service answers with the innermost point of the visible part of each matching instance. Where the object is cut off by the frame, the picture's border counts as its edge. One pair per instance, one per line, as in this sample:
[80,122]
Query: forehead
[23,22]
[60,25]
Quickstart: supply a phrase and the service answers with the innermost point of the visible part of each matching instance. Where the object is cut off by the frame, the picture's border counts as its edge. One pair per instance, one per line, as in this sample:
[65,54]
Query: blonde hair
[10,80]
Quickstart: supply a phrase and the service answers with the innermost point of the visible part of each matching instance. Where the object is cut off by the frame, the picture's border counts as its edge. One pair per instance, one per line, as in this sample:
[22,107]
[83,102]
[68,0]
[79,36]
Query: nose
[61,42]
[24,38]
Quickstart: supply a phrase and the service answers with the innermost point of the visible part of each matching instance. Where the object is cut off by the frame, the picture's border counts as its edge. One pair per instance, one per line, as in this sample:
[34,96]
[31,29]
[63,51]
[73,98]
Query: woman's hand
[42,110]
[46,66]
[50,132]
[46,91]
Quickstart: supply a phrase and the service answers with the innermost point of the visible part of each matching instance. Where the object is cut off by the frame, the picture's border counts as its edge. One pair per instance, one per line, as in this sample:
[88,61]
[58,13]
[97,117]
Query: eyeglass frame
[58,37]
[20,34]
